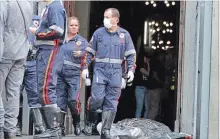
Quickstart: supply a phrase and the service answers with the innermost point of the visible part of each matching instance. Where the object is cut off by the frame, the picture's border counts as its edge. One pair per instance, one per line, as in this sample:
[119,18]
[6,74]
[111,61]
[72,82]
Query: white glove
[123,83]
[87,82]
[85,74]
[130,76]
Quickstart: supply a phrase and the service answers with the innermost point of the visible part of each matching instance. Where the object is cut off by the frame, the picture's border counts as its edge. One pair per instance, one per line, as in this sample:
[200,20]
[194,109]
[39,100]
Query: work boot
[91,123]
[1,132]
[62,123]
[107,120]
[9,135]
[76,124]
[51,116]
[38,121]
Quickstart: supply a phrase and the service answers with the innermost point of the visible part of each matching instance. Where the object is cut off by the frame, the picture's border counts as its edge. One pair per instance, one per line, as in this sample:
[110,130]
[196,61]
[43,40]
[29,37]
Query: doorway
[156,24]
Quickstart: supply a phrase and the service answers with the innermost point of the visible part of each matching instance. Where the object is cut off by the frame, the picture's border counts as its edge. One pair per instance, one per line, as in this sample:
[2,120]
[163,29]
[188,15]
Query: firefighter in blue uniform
[69,78]
[93,118]
[30,81]
[49,36]
[109,45]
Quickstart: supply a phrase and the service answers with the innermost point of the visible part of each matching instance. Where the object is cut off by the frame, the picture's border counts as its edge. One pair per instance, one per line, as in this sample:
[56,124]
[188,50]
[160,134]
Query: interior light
[168,42]
[160,42]
[164,31]
[167,47]
[152,41]
[165,1]
[145,32]
[167,4]
[163,48]
[156,24]
[154,31]
[173,3]
[154,4]
[168,30]
[171,30]
[171,24]
[164,22]
[158,29]
[152,22]
[151,30]
[167,25]
[147,3]
[158,46]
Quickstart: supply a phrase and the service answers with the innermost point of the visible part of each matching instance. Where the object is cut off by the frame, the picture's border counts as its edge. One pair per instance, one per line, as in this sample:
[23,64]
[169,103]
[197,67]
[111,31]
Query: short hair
[115,12]
[73,18]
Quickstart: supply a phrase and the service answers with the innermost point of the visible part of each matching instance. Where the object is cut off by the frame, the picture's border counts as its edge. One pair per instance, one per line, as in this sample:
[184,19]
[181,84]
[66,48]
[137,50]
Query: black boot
[62,123]
[51,116]
[76,124]
[1,132]
[38,121]
[91,123]
[107,120]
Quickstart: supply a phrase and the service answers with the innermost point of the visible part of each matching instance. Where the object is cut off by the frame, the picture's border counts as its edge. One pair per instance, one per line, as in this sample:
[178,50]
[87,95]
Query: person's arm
[90,51]
[130,53]
[3,18]
[56,19]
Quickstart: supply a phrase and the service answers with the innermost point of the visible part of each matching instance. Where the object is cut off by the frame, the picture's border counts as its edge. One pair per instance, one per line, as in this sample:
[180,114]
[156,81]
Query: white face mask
[107,23]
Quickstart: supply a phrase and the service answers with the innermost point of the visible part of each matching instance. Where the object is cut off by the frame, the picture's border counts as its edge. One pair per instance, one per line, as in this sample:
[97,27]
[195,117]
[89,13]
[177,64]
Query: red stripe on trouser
[49,72]
[78,103]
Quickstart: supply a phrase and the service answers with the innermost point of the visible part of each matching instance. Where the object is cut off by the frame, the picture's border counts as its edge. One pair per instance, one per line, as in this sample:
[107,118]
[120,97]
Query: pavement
[67,137]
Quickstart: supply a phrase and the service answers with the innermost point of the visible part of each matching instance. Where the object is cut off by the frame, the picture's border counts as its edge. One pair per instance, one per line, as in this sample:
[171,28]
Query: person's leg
[73,79]
[139,94]
[146,103]
[62,99]
[12,85]
[47,81]
[154,103]
[30,84]
[96,99]
[113,92]
[5,66]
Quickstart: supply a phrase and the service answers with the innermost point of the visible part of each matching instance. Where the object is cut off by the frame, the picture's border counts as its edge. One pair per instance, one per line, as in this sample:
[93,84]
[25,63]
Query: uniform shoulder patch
[78,42]
[122,35]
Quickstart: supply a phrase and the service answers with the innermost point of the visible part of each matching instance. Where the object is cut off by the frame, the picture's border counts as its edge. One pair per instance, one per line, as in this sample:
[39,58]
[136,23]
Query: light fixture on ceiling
[147,3]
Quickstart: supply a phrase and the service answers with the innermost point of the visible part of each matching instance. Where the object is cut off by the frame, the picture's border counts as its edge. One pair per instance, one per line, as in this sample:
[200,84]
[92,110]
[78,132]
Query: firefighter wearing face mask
[109,44]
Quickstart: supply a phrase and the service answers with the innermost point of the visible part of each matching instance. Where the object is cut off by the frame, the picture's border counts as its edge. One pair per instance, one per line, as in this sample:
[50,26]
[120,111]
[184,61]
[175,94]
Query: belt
[108,60]
[43,42]
[66,62]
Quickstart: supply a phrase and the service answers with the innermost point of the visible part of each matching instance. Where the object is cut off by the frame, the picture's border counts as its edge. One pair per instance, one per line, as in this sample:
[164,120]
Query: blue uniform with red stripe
[49,37]
[69,79]
[109,50]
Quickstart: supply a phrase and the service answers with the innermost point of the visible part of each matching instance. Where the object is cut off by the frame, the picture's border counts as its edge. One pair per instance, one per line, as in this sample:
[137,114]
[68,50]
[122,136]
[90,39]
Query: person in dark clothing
[155,84]
[141,77]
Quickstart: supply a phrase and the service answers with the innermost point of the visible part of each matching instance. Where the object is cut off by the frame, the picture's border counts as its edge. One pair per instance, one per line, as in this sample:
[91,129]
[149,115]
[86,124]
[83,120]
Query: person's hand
[33,30]
[142,70]
[130,76]
[76,53]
